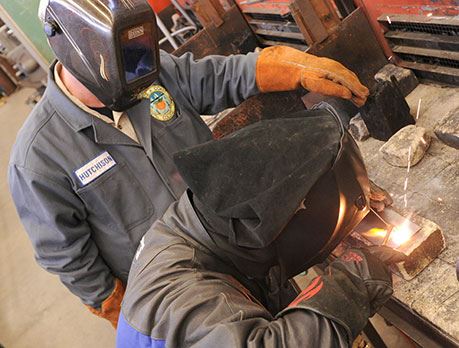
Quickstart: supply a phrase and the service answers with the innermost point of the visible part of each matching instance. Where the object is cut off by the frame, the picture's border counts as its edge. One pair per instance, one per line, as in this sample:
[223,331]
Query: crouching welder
[263,204]
[92,167]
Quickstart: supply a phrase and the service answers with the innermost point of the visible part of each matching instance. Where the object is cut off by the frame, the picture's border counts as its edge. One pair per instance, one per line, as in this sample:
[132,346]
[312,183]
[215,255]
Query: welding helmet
[279,192]
[334,206]
[110,46]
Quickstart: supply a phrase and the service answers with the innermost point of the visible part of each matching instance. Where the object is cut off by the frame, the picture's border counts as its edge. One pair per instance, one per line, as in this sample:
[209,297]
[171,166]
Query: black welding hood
[279,192]
[110,46]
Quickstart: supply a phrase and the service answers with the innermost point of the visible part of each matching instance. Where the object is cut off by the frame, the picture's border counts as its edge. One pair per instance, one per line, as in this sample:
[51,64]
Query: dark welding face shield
[110,46]
[336,204]
[279,192]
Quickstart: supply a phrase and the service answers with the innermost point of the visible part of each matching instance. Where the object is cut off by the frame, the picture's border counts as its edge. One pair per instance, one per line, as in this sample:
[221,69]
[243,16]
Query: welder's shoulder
[163,261]
[183,65]
[169,64]
[171,293]
[41,132]
[174,70]
[168,60]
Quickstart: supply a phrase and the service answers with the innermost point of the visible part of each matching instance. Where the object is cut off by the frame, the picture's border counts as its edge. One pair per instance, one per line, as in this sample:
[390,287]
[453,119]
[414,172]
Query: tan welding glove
[282,68]
[379,198]
[110,308]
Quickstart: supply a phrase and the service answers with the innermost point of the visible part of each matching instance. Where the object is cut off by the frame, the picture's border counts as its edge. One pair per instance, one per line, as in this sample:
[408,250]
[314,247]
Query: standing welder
[91,169]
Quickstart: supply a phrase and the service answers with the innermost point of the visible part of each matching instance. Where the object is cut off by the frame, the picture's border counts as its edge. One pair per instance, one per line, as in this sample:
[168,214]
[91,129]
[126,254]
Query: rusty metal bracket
[327,13]
[209,12]
[308,21]
[232,36]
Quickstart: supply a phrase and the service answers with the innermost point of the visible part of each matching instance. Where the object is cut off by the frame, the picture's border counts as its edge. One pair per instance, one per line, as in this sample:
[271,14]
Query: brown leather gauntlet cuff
[110,308]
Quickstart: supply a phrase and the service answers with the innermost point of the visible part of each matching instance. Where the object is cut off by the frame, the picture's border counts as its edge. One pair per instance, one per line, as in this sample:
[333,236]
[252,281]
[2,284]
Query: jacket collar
[76,118]
[182,217]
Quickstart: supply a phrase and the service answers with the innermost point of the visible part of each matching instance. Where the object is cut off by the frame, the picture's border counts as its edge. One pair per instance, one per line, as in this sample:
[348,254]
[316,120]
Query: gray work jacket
[86,230]
[183,293]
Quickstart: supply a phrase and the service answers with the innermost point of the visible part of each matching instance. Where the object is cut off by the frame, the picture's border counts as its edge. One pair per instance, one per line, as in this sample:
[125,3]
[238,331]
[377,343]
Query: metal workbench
[427,307]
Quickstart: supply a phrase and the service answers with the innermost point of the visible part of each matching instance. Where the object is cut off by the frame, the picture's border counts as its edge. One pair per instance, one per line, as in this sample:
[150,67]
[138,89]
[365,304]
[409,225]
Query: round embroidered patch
[162,107]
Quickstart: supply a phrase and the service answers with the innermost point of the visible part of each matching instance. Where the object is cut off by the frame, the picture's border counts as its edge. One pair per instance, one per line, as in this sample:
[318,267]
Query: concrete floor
[35,309]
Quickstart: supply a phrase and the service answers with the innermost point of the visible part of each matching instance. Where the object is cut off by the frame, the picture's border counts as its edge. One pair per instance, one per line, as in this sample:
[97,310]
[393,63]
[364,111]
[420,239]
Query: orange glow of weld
[376,232]
[400,234]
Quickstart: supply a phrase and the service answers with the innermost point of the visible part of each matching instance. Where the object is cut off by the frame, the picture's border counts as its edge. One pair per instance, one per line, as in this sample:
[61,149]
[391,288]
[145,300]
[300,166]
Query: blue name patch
[92,170]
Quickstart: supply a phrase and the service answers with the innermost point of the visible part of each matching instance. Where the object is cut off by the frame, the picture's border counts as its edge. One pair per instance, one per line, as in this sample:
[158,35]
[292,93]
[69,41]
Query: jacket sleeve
[213,83]
[55,220]
[209,309]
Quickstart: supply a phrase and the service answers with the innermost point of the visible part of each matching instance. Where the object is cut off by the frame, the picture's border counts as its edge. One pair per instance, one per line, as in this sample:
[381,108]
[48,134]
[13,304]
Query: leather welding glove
[110,308]
[379,198]
[385,256]
[352,289]
[282,68]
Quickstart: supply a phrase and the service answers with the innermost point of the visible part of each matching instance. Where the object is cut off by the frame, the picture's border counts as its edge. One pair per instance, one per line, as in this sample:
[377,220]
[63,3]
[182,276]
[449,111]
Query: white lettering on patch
[98,166]
[136,32]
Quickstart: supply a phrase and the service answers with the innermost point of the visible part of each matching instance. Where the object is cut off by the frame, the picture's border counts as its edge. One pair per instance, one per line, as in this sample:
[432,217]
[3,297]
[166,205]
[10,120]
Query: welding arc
[389,226]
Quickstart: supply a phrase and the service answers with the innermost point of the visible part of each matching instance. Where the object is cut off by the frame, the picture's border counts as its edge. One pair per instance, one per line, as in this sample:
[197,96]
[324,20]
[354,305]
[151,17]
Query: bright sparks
[419,108]
[400,234]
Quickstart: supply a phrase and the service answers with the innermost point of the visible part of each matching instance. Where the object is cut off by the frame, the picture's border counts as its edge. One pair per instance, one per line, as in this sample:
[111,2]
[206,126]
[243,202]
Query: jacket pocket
[116,200]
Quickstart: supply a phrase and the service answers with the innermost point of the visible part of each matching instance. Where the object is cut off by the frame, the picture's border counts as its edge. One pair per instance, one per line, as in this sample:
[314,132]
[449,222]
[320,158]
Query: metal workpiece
[421,240]
[260,107]
[386,110]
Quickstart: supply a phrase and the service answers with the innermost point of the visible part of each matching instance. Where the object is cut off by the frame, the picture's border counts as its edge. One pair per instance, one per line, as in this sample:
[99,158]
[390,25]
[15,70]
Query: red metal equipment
[422,35]
[296,23]
[159,5]
[375,9]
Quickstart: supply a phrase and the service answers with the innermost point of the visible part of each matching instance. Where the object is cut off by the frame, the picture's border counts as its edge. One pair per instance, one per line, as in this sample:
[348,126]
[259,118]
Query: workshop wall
[24,14]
